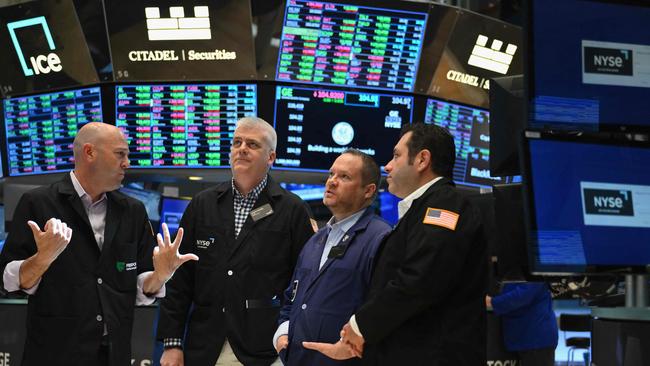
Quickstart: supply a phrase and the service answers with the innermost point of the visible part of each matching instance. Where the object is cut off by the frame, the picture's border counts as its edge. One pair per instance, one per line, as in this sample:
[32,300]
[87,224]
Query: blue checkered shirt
[243,205]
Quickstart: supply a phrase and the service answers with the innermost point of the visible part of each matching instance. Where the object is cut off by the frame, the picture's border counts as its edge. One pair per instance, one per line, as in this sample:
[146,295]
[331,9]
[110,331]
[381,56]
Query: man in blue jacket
[332,274]
[528,321]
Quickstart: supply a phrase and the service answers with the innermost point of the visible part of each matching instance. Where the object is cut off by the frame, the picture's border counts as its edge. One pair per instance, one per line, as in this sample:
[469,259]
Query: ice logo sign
[41,64]
[177,26]
[492,58]
[343,133]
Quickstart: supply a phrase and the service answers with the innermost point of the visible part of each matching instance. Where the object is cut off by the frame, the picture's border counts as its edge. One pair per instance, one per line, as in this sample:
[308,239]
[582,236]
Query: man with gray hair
[92,261]
[248,233]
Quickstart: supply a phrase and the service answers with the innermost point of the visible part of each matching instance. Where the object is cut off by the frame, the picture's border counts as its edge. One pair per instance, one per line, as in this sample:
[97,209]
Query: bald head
[96,134]
[101,157]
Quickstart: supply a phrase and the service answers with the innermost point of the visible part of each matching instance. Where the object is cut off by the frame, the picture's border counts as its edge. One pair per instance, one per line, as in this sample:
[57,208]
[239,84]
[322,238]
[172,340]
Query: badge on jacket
[261,212]
[440,217]
[294,289]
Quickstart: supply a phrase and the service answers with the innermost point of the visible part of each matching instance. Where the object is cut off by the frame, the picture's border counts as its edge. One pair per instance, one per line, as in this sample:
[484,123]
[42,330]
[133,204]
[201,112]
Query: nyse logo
[492,58]
[608,202]
[177,26]
[204,244]
[41,64]
[598,60]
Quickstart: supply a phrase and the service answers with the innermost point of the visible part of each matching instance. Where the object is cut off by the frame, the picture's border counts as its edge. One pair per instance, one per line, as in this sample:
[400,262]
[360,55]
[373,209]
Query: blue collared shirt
[336,232]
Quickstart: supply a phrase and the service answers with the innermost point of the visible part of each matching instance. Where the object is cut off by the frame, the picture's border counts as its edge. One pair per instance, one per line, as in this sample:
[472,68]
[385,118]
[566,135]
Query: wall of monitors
[350,45]
[39,129]
[182,126]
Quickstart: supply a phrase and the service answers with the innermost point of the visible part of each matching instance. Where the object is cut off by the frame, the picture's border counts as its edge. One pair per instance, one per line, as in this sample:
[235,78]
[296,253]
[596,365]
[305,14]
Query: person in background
[248,233]
[528,322]
[332,275]
[83,253]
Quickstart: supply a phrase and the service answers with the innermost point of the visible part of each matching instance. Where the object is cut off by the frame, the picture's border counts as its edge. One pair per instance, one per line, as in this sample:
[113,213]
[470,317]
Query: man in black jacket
[248,233]
[84,271]
[425,305]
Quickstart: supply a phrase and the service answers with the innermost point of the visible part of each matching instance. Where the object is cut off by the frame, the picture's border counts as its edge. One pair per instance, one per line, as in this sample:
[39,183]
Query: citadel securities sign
[180,39]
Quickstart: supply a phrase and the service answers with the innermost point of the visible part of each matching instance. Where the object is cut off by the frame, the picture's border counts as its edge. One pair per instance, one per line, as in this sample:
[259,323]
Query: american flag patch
[438,217]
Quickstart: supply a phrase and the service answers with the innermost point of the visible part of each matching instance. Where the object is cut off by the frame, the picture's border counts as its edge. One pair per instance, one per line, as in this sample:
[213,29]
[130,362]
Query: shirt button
[99,318]
[99,281]
[304,306]
[230,272]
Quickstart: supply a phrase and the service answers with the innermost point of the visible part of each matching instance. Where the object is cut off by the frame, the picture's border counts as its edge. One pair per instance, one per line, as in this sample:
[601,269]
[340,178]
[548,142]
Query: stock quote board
[182,126]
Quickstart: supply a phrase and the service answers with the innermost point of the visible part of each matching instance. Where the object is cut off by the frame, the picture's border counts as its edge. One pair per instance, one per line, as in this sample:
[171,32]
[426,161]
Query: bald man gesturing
[84,253]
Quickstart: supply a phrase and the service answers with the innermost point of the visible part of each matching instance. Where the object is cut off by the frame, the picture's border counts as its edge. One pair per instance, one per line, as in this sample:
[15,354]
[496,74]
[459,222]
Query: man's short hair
[370,173]
[270,136]
[438,141]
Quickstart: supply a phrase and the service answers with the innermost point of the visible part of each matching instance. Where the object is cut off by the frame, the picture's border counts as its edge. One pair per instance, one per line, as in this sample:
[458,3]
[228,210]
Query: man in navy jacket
[333,271]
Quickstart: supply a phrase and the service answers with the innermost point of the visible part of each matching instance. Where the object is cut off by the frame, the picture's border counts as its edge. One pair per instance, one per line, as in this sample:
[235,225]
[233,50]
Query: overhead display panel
[40,129]
[478,48]
[181,40]
[182,126]
[43,48]
[345,44]
[471,130]
[596,75]
[315,125]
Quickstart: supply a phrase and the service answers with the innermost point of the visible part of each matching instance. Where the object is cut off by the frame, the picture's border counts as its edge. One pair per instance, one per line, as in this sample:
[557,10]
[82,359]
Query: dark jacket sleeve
[146,243]
[302,230]
[175,306]
[433,261]
[20,243]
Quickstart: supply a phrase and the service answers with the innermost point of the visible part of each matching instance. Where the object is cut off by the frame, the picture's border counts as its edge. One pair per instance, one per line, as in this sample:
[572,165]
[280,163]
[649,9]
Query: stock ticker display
[40,129]
[182,125]
[315,125]
[349,45]
[471,130]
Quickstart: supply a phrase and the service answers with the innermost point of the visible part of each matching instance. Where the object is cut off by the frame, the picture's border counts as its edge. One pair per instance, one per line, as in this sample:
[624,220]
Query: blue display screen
[591,63]
[171,212]
[591,205]
[150,199]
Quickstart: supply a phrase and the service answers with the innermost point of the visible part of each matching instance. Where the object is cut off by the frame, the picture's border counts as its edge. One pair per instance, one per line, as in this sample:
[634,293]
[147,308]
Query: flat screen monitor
[40,129]
[344,43]
[315,125]
[589,64]
[166,40]
[43,48]
[588,204]
[471,131]
[477,49]
[171,212]
[150,199]
[182,126]
[507,121]
[306,192]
